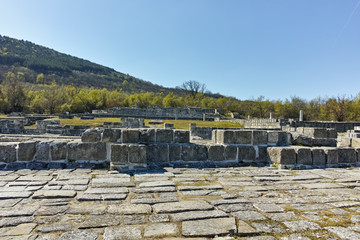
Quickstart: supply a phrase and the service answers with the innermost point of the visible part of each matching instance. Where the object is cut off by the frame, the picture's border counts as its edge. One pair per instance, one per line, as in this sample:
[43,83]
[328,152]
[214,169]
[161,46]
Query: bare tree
[193,87]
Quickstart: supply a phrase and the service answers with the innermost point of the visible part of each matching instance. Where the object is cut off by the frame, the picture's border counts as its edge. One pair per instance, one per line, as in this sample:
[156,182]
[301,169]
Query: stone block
[315,132]
[181,136]
[246,153]
[214,136]
[344,142]
[216,153]
[42,151]
[303,155]
[8,152]
[331,133]
[300,130]
[355,142]
[242,137]
[347,155]
[231,152]
[119,153]
[86,151]
[91,135]
[259,137]
[278,138]
[111,135]
[58,150]
[300,139]
[318,156]
[27,151]
[328,142]
[282,155]
[174,152]
[331,155]
[157,153]
[164,136]
[357,150]
[147,135]
[193,152]
[261,155]
[137,153]
[130,136]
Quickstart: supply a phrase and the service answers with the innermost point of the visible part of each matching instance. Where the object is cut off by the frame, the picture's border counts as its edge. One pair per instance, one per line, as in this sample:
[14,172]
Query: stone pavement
[219,203]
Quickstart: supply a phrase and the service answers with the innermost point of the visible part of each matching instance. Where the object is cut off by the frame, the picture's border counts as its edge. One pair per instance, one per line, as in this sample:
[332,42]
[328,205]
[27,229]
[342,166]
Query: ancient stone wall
[12,125]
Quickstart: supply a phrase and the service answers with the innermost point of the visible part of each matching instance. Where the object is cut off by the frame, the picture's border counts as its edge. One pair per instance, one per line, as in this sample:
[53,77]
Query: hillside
[39,65]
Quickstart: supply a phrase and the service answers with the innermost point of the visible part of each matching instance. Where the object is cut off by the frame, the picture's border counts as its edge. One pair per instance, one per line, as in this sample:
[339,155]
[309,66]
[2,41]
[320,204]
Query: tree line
[16,96]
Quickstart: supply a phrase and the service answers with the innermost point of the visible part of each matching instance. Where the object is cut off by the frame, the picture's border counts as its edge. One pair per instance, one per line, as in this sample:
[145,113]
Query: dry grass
[184,124]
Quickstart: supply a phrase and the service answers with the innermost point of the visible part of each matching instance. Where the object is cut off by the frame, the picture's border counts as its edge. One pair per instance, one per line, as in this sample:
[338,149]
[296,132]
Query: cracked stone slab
[300,226]
[79,235]
[54,228]
[249,215]
[96,221]
[202,187]
[245,229]
[14,221]
[157,184]
[161,230]
[19,211]
[269,208]
[344,233]
[107,190]
[197,215]
[17,194]
[22,229]
[181,206]
[128,209]
[54,194]
[209,227]
[122,233]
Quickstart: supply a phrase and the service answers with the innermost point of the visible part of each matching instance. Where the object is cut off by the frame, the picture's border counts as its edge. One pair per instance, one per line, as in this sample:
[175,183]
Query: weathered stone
[95,221]
[174,152]
[137,153]
[147,135]
[54,228]
[194,152]
[245,229]
[42,151]
[331,156]
[347,155]
[159,218]
[161,230]
[216,152]
[14,221]
[50,210]
[21,194]
[130,136]
[79,235]
[181,206]
[87,151]
[181,136]
[22,229]
[129,209]
[248,215]
[8,152]
[246,153]
[209,227]
[58,150]
[119,153]
[268,227]
[259,137]
[91,135]
[15,212]
[111,135]
[134,220]
[157,153]
[330,142]
[344,233]
[231,152]
[300,139]
[300,226]
[269,208]
[318,156]
[282,155]
[197,215]
[286,216]
[303,155]
[122,233]
[54,194]
[164,136]
[27,150]
[278,138]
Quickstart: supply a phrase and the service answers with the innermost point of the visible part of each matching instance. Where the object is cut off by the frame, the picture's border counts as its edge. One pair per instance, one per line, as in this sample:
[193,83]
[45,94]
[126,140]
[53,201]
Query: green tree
[14,92]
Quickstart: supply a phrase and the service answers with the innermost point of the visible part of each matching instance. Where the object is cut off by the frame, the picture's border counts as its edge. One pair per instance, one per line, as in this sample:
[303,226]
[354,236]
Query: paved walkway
[232,203]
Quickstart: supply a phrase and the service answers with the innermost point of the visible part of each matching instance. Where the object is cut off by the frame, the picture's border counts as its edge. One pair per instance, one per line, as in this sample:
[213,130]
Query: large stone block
[347,155]
[119,153]
[331,154]
[355,142]
[300,139]
[157,153]
[130,136]
[331,133]
[242,137]
[303,155]
[231,152]
[193,152]
[282,155]
[8,152]
[91,135]
[86,151]
[316,132]
[111,135]
[344,141]
[216,152]
[175,152]
[27,150]
[58,150]
[278,138]
[137,153]
[246,153]
[147,135]
[357,150]
[181,136]
[318,156]
[164,135]
[329,142]
[42,151]
[259,137]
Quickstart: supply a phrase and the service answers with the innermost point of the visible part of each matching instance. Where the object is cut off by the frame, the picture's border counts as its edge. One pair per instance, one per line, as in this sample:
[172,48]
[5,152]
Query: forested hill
[39,65]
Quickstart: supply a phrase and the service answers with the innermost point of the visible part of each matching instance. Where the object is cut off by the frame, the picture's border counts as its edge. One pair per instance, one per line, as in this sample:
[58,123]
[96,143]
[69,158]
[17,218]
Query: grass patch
[96,122]
[184,124]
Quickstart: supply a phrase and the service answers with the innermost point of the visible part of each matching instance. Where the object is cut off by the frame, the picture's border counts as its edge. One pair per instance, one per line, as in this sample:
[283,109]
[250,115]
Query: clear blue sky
[240,48]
